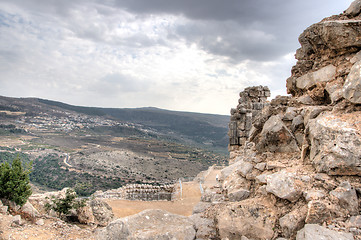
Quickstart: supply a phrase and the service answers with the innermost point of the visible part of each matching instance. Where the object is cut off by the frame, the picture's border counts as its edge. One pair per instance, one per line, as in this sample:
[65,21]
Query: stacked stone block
[142,192]
[251,102]
[146,192]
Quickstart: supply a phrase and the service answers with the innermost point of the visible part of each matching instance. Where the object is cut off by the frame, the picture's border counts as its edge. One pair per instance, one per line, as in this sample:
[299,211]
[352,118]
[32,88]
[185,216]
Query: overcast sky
[189,55]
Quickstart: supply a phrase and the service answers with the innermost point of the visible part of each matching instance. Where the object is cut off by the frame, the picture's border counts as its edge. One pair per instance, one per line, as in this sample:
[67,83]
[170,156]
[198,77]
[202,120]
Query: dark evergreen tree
[14,182]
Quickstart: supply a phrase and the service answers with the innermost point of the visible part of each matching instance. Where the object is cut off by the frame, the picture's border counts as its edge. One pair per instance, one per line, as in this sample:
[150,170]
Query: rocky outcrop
[96,211]
[29,209]
[284,185]
[150,224]
[313,231]
[295,161]
[252,218]
[352,86]
[205,227]
[3,209]
[276,137]
[102,212]
[335,144]
[39,200]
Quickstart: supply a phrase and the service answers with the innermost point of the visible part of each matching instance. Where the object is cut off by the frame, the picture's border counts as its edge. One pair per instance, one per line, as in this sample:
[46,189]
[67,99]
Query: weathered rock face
[354,8]
[205,227]
[309,80]
[150,224]
[102,212]
[352,87]
[85,215]
[313,231]
[252,218]
[300,154]
[335,145]
[284,185]
[3,209]
[29,209]
[328,50]
[276,137]
[347,198]
[293,221]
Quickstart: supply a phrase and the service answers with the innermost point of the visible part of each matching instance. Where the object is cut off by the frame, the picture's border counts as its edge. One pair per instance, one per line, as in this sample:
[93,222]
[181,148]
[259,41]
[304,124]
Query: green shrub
[63,206]
[14,182]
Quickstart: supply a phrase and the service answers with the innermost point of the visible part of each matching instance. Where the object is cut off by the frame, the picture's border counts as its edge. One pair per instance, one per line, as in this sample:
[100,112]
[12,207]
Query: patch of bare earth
[184,206]
[52,229]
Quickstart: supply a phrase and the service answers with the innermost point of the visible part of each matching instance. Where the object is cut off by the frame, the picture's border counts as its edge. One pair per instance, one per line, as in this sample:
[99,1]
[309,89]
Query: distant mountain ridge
[199,128]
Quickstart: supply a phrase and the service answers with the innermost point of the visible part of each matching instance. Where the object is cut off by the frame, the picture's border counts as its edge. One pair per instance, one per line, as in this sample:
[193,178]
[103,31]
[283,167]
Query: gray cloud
[116,83]
[192,55]
[250,29]
[243,25]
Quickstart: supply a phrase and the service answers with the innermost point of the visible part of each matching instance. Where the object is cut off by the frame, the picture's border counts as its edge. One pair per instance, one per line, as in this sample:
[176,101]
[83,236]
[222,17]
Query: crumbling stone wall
[251,102]
[143,192]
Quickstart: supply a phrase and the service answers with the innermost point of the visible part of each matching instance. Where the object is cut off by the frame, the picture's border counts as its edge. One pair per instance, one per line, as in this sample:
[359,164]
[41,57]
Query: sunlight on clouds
[98,54]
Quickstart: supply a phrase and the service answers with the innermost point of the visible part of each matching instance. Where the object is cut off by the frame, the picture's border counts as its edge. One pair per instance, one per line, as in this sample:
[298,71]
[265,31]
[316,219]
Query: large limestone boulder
[335,144]
[319,211]
[314,231]
[235,182]
[347,198]
[276,137]
[352,86]
[284,185]
[354,9]
[308,80]
[29,209]
[293,221]
[323,44]
[337,34]
[252,218]
[150,225]
[102,212]
[334,90]
[201,207]
[241,167]
[85,215]
[3,209]
[205,227]
[238,195]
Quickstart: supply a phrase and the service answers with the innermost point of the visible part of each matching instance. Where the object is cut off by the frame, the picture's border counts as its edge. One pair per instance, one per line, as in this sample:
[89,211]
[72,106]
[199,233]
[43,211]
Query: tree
[14,181]
[63,205]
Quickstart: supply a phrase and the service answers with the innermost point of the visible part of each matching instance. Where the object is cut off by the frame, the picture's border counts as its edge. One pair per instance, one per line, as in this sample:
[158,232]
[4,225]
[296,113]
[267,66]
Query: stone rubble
[150,224]
[295,161]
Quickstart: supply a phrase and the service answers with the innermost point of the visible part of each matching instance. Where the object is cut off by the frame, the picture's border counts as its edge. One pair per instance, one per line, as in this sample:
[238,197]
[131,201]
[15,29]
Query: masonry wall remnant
[142,192]
[251,102]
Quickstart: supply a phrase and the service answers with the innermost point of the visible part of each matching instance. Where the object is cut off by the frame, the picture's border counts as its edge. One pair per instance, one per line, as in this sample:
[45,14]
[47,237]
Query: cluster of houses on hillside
[67,122]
